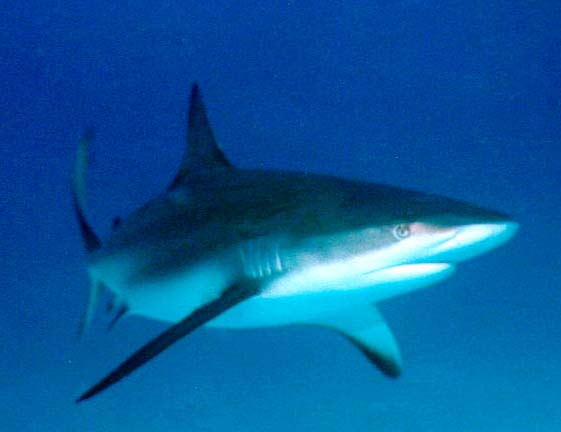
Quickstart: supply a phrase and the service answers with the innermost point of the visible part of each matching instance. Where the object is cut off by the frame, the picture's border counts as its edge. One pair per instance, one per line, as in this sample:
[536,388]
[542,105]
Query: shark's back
[232,206]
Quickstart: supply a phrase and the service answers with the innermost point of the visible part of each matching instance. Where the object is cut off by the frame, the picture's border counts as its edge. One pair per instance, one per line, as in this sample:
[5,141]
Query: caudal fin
[90,239]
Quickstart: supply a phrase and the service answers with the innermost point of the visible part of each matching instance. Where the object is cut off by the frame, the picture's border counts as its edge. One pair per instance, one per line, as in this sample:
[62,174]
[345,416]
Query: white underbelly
[295,299]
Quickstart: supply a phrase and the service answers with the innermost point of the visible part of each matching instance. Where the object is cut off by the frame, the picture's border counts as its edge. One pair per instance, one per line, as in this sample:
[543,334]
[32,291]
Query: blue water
[456,98]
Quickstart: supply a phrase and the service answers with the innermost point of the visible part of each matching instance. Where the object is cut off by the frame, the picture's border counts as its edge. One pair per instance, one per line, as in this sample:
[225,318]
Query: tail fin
[89,238]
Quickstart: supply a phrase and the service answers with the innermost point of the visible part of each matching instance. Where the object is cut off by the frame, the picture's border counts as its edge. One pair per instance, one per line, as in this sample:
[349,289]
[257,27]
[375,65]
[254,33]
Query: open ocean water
[459,98]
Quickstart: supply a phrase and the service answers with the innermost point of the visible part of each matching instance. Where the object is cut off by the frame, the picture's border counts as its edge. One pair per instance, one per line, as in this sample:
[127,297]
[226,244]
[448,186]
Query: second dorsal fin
[202,152]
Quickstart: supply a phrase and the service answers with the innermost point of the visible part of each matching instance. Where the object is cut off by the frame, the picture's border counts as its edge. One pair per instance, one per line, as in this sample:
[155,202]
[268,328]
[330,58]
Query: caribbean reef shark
[237,248]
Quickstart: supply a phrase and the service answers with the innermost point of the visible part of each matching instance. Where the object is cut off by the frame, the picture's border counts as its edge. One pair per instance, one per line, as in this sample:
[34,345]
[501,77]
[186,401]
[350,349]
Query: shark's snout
[490,233]
[475,239]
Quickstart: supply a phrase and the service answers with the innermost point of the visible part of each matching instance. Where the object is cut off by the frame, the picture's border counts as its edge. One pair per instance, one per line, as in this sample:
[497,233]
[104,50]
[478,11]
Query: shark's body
[238,248]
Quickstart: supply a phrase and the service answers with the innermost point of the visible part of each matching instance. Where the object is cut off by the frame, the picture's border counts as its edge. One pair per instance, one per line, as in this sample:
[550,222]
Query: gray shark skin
[235,248]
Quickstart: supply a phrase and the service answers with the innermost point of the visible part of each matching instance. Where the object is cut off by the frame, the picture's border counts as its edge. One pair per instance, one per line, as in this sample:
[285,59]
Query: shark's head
[388,238]
[399,226]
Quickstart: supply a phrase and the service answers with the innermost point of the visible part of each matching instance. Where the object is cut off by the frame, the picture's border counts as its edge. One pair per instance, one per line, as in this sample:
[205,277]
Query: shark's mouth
[400,279]
[376,285]
[407,277]
[402,272]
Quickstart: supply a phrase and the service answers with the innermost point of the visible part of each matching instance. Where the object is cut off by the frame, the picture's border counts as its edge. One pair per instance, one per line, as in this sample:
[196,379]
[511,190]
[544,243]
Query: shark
[237,248]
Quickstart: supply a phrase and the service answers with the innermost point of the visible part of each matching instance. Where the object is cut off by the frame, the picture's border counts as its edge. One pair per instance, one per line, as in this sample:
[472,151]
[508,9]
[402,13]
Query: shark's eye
[401,231]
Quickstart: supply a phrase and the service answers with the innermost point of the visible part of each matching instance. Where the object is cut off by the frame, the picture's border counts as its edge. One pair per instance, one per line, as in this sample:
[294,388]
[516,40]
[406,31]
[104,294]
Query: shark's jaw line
[234,248]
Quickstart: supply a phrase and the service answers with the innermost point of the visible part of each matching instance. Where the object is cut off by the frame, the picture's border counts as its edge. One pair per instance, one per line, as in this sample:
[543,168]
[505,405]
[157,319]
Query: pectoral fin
[366,329]
[232,296]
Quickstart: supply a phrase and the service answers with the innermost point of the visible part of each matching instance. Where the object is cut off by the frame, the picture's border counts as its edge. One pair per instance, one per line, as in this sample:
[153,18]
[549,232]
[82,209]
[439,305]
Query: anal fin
[232,296]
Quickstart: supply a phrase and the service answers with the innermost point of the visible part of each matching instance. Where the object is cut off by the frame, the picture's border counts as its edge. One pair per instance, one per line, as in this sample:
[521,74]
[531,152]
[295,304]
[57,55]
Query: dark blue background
[461,98]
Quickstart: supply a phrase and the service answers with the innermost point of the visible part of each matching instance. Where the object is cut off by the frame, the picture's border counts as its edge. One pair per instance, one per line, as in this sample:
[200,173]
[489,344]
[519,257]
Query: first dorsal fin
[202,152]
